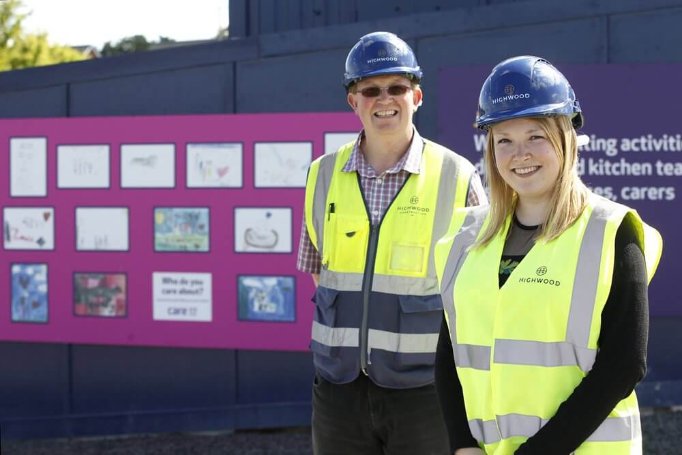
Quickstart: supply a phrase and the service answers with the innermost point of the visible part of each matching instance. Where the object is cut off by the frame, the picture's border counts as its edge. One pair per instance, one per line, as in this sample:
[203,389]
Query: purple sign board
[634,155]
[159,231]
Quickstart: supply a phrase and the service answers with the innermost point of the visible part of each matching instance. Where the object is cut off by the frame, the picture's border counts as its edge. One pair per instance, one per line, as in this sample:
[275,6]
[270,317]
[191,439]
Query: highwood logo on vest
[539,279]
[412,209]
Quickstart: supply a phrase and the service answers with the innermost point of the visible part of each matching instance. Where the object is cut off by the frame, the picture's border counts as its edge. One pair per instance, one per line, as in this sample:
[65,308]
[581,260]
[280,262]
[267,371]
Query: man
[373,212]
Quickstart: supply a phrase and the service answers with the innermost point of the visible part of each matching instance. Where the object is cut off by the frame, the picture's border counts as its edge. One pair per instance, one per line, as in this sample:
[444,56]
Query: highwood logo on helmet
[517,96]
[382,59]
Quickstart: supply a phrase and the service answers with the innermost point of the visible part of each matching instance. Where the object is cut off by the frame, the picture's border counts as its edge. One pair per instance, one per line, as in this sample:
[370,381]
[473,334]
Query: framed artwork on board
[100,294]
[262,229]
[281,164]
[29,293]
[266,298]
[214,165]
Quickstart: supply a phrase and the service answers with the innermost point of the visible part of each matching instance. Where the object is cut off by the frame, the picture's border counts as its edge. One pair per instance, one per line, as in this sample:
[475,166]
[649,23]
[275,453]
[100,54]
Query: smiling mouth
[525,170]
[384,114]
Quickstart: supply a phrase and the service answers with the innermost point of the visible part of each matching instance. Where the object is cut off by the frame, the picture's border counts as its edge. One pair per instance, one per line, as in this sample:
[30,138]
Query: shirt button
[380,181]
[375,213]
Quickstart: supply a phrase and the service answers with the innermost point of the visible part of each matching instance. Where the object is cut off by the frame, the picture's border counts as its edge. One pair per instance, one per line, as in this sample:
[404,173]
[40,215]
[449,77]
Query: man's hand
[316,278]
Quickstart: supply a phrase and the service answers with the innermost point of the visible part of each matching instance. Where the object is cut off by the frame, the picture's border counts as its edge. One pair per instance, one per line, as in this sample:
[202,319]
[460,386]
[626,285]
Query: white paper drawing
[182,296]
[214,165]
[28,228]
[332,141]
[148,165]
[102,228]
[282,164]
[28,166]
[83,166]
[262,230]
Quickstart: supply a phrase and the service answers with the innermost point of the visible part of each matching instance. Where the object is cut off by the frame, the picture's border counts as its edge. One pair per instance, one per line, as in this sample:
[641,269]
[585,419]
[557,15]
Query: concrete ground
[662,431]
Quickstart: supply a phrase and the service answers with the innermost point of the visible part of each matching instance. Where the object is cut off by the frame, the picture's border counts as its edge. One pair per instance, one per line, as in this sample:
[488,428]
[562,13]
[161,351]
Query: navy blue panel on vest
[202,90]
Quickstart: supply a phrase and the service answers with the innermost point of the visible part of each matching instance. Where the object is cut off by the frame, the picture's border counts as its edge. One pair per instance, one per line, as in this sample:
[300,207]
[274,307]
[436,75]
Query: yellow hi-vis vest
[394,338]
[521,350]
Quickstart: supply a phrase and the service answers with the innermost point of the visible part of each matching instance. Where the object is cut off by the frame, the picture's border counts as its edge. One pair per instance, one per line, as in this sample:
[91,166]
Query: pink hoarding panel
[159,231]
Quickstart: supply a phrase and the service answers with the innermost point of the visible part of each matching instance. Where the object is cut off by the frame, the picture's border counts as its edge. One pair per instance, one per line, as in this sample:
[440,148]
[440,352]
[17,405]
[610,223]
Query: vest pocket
[325,319]
[348,244]
[420,319]
[407,258]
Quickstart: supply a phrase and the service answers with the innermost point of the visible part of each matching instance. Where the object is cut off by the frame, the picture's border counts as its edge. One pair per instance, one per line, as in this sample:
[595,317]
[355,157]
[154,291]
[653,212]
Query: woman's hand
[469,451]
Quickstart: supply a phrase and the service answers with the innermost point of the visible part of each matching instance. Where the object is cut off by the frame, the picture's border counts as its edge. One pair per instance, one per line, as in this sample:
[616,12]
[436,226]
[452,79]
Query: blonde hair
[570,194]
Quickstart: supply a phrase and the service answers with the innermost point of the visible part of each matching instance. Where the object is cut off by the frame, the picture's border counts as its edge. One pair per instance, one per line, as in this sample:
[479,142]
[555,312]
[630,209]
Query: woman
[544,291]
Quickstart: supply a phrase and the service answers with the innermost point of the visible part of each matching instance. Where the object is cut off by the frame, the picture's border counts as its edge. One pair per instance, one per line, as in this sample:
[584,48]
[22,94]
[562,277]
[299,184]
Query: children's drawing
[28,228]
[148,166]
[263,230]
[267,298]
[332,141]
[28,166]
[102,228]
[83,166]
[282,164]
[29,292]
[214,165]
[99,294]
[181,229]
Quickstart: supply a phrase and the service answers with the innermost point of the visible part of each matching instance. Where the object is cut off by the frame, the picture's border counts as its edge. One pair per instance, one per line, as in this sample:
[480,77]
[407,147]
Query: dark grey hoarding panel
[198,90]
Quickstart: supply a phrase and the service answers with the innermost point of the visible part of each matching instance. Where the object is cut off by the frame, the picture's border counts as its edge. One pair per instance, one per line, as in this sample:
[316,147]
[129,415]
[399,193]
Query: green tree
[21,50]
[131,44]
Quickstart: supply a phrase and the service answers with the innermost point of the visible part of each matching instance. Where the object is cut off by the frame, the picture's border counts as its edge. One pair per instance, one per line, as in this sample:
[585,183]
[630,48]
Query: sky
[94,22]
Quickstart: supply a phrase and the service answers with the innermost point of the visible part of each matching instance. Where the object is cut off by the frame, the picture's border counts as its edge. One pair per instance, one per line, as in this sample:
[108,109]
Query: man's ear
[350,98]
[417,97]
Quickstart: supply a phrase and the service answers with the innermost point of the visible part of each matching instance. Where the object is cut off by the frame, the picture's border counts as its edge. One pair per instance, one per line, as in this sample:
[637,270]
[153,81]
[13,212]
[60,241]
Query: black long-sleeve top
[619,365]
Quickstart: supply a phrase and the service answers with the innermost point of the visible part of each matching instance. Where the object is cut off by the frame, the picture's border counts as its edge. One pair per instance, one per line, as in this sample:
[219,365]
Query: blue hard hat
[377,54]
[526,86]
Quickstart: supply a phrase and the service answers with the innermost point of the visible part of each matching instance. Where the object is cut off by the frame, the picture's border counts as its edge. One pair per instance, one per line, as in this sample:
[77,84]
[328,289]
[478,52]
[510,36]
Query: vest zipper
[366,292]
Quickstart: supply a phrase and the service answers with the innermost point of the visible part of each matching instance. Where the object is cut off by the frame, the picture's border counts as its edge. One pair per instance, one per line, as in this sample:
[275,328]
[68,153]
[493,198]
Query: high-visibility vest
[520,350]
[378,308]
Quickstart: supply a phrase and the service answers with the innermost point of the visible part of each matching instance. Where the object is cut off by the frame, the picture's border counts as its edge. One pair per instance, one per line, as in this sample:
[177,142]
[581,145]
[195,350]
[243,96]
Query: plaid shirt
[379,190]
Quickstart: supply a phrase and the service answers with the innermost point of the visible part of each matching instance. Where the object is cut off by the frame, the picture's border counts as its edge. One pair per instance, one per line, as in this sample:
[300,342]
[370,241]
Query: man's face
[390,110]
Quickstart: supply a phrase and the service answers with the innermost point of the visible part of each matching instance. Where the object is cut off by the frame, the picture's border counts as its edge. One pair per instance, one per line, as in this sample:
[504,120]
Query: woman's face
[526,159]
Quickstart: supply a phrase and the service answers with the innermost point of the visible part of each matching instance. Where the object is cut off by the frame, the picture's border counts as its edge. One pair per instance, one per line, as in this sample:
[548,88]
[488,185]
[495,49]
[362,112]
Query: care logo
[509,89]
[541,270]
[414,200]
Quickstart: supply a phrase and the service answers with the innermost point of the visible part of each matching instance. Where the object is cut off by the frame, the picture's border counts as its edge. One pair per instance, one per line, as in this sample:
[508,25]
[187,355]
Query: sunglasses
[392,90]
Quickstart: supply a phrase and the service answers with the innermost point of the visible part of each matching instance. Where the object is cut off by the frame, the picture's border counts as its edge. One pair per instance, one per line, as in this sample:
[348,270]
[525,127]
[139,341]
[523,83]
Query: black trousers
[361,418]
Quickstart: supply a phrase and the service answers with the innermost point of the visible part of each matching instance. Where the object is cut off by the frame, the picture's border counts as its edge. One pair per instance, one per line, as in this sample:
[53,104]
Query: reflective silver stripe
[510,425]
[617,429]
[341,281]
[389,284]
[447,189]
[458,252]
[324,178]
[586,279]
[410,343]
[519,425]
[484,431]
[336,336]
[521,352]
[472,356]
